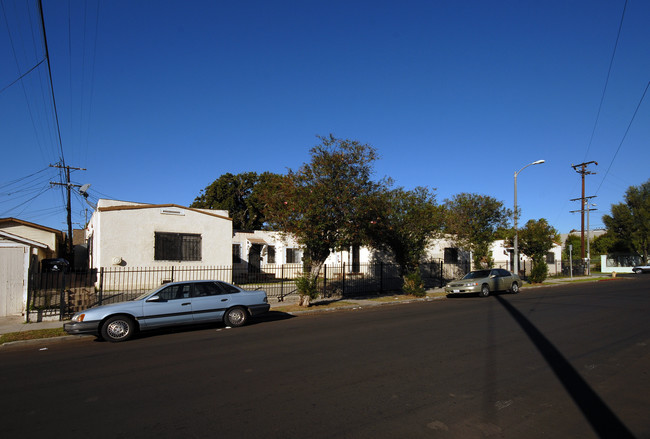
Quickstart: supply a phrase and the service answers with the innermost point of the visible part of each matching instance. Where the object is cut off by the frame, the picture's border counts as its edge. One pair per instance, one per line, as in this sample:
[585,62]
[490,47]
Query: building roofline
[34,225]
[159,206]
[22,240]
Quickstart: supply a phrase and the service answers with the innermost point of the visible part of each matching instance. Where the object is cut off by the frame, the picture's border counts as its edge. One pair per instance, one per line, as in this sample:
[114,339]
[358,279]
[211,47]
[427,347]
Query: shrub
[539,272]
[307,288]
[413,284]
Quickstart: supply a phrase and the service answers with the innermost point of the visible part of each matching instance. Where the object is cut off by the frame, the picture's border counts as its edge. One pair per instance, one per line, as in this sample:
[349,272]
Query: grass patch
[32,335]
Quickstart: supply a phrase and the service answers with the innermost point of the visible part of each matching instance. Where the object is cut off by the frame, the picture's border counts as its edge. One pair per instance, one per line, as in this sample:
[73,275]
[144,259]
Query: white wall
[124,231]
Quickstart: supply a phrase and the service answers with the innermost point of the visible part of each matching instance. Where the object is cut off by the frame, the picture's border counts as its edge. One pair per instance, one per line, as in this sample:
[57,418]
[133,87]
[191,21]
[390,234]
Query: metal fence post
[101,284]
[324,279]
[343,289]
[62,298]
[281,283]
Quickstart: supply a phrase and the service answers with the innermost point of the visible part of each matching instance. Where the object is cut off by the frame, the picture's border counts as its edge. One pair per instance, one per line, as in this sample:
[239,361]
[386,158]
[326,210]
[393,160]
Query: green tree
[238,194]
[326,203]
[536,239]
[630,221]
[405,222]
[573,240]
[474,221]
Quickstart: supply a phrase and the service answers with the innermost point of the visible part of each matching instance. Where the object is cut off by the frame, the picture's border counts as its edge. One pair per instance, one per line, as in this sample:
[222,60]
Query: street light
[516,253]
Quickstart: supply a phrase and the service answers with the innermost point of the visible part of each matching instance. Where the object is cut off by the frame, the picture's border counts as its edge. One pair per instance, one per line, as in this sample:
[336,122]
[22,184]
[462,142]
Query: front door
[173,307]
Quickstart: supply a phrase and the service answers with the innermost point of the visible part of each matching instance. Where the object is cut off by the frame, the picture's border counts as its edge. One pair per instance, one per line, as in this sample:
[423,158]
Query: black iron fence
[62,294]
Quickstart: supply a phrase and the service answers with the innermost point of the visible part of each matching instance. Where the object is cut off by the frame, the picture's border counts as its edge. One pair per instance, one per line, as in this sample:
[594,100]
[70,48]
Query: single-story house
[123,233]
[22,246]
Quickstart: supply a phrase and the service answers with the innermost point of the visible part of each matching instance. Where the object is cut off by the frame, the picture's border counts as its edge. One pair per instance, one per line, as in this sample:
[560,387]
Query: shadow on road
[602,419]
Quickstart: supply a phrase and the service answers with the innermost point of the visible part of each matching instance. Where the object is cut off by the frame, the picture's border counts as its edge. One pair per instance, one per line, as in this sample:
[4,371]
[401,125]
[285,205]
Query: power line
[49,69]
[624,135]
[609,71]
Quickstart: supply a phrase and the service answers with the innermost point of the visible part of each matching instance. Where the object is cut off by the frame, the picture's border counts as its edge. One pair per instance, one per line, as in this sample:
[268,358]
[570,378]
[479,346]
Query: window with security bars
[451,255]
[177,247]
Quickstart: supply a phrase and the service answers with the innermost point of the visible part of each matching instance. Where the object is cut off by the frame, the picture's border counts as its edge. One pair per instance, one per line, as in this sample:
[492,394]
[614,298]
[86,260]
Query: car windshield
[143,295]
[477,274]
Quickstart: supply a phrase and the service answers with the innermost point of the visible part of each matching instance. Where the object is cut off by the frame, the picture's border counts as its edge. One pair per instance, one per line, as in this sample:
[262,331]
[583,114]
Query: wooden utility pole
[582,170]
[69,186]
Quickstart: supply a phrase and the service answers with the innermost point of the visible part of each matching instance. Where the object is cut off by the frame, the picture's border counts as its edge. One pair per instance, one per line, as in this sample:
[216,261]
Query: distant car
[483,282]
[641,269]
[177,303]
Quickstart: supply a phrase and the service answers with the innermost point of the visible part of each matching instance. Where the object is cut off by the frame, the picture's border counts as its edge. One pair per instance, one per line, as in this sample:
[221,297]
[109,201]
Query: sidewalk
[17,323]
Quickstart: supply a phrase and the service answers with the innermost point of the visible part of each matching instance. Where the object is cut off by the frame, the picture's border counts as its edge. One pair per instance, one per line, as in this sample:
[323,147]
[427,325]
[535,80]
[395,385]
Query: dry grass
[32,335]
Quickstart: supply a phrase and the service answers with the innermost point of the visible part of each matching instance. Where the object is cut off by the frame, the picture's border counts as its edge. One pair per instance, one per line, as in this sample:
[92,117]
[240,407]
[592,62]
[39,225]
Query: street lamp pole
[516,252]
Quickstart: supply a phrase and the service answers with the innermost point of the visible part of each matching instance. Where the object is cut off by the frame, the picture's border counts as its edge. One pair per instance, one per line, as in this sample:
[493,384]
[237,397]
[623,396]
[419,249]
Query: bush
[413,284]
[539,272]
[307,287]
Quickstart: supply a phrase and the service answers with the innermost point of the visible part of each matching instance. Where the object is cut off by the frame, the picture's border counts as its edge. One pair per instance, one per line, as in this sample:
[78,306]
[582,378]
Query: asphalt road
[562,362]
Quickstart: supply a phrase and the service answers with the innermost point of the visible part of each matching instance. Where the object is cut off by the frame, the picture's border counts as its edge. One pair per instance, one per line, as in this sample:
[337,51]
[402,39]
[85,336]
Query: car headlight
[78,317]
[471,284]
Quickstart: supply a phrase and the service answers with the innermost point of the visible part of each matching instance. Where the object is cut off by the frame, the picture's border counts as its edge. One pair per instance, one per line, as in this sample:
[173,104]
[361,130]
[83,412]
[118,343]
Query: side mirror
[154,299]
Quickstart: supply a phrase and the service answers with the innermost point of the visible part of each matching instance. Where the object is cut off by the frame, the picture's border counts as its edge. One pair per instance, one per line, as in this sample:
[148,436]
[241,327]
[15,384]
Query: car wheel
[118,328]
[235,317]
[485,291]
[637,271]
[514,289]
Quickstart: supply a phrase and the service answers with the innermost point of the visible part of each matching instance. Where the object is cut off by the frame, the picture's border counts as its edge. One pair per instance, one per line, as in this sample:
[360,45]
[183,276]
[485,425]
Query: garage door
[12,269]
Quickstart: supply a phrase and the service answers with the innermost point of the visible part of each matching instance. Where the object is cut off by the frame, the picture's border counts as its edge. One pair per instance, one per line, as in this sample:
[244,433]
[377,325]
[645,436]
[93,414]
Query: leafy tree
[630,221]
[326,202]
[474,221]
[404,224]
[239,195]
[608,243]
[573,240]
[536,239]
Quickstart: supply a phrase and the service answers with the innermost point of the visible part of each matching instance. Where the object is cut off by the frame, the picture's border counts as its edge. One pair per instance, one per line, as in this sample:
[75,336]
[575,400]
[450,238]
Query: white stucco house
[22,246]
[123,233]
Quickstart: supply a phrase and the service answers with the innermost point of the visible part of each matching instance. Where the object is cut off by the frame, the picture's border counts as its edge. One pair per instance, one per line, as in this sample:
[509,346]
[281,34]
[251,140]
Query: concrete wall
[123,233]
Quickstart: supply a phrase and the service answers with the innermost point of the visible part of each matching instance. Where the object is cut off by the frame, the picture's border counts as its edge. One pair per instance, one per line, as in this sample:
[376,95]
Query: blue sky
[157,99]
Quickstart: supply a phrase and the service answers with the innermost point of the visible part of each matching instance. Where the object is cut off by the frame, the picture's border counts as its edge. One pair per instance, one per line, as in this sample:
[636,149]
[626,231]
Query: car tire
[118,328]
[235,317]
[514,289]
[637,271]
[485,290]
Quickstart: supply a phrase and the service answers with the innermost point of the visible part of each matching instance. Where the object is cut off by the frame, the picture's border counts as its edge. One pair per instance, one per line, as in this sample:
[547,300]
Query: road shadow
[605,423]
[271,316]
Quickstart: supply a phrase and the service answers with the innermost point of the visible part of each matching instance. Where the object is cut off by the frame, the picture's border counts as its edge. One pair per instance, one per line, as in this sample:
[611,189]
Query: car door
[209,302]
[171,305]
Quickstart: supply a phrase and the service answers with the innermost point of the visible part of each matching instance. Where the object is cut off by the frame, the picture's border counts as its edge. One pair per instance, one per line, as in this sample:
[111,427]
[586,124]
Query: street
[568,361]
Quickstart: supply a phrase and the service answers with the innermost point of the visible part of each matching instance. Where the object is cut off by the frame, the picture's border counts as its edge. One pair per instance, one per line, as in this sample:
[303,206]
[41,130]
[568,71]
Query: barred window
[270,257]
[550,258]
[236,253]
[177,247]
[451,255]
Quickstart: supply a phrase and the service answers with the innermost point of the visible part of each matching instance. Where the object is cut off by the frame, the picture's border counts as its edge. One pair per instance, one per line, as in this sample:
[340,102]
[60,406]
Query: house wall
[126,236]
[48,238]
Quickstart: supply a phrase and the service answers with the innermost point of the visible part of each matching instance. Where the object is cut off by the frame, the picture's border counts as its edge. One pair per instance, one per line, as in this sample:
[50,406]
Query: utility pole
[588,203]
[582,170]
[68,186]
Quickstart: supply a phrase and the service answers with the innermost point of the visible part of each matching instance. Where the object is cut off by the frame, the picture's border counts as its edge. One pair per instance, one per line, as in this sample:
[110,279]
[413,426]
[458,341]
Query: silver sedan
[483,282]
[178,303]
